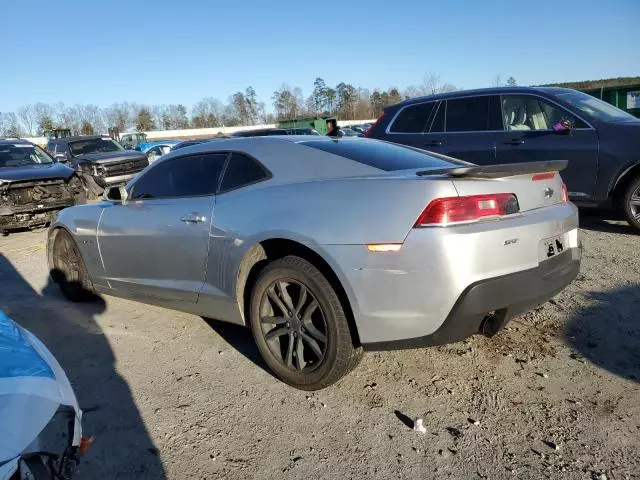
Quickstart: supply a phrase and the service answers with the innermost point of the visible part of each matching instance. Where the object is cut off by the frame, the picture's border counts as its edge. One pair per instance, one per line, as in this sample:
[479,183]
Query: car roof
[78,137]
[13,141]
[248,133]
[481,91]
[281,155]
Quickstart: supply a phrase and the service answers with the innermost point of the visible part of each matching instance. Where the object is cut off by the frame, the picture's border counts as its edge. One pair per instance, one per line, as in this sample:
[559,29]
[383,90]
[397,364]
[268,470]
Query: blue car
[527,124]
[156,148]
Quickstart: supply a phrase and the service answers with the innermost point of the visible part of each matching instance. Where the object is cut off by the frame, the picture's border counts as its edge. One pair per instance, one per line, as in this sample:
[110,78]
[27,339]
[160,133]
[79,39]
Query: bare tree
[118,116]
[207,113]
[431,83]
[413,91]
[9,125]
[497,81]
[448,87]
[27,117]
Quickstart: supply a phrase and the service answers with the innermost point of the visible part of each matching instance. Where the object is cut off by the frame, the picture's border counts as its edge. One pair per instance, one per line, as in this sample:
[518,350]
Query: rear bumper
[504,297]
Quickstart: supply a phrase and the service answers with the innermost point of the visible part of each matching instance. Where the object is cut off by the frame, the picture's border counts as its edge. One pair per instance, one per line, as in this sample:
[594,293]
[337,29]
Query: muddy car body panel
[99,159]
[31,194]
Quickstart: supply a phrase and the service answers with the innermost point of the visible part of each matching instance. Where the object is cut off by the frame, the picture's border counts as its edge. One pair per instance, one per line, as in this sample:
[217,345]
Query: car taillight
[370,129]
[448,210]
[565,193]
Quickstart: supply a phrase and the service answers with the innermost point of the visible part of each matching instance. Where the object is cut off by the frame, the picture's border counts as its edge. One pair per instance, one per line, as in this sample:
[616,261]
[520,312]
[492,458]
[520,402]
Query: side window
[554,114]
[438,121]
[154,153]
[192,176]
[467,114]
[241,171]
[521,112]
[413,119]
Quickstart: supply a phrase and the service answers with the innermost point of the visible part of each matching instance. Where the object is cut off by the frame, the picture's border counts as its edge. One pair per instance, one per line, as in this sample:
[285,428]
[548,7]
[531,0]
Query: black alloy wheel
[69,271]
[300,326]
[631,203]
[293,325]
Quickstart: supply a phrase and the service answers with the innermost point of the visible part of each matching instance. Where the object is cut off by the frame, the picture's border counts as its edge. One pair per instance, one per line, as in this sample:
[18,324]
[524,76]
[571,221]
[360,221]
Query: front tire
[631,203]
[69,270]
[299,325]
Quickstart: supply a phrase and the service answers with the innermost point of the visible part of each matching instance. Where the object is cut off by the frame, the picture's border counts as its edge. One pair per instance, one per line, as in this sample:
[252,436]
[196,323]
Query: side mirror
[563,127]
[115,194]
[61,157]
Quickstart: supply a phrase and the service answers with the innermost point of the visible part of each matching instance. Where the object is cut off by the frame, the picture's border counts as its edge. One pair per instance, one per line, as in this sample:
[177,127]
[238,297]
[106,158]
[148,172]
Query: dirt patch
[171,395]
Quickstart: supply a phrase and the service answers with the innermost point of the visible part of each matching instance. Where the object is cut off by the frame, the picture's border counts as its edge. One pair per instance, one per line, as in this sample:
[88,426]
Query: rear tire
[69,270]
[299,325]
[631,203]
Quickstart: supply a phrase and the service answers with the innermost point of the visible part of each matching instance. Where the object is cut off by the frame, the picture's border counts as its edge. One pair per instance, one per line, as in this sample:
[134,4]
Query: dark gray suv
[521,124]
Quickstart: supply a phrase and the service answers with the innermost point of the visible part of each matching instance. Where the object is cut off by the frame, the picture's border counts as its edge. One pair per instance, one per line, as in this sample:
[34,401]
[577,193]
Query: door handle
[435,143]
[192,218]
[514,141]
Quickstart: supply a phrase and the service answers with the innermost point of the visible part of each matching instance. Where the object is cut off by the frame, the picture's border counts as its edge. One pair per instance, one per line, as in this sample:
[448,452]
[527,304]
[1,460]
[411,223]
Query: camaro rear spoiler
[498,171]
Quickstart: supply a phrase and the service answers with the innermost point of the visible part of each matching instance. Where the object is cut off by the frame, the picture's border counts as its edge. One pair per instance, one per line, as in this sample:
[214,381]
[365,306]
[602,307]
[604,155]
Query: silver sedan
[326,247]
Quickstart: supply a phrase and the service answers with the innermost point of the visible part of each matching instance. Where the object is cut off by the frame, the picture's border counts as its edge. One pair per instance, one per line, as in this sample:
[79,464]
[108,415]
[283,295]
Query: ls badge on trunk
[548,193]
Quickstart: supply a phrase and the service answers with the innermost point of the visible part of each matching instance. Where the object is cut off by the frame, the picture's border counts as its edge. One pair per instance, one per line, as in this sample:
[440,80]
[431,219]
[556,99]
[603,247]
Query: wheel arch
[623,179]
[51,237]
[266,251]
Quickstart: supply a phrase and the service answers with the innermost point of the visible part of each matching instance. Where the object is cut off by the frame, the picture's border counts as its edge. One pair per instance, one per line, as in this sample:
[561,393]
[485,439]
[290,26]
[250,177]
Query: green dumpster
[623,92]
[319,123]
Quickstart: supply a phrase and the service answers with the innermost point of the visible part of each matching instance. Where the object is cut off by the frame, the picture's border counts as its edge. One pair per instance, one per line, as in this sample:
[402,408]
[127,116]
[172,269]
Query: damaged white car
[36,400]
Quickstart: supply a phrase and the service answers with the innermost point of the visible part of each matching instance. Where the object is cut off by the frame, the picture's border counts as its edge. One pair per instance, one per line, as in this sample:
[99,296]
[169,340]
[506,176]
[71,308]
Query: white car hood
[32,387]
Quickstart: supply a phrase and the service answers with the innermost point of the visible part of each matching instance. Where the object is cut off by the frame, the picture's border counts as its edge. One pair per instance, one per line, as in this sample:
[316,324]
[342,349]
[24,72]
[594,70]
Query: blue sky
[102,52]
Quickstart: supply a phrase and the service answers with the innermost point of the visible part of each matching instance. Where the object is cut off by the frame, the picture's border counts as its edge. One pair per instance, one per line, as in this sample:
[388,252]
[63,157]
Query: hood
[109,157]
[32,387]
[36,171]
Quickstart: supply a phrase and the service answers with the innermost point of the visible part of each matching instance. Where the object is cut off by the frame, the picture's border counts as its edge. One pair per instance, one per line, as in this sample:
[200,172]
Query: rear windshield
[381,155]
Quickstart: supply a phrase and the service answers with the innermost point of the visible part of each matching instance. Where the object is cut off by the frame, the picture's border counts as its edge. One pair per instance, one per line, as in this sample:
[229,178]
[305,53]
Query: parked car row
[518,124]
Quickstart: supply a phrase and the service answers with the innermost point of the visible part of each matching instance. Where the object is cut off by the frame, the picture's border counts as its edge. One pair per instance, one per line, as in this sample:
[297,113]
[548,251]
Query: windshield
[595,108]
[21,155]
[93,145]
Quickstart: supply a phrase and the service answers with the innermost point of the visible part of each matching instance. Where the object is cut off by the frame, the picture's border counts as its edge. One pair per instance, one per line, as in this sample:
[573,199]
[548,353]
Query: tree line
[344,100]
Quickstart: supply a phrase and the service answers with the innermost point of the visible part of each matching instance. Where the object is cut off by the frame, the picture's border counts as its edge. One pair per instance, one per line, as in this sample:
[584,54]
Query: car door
[528,136]
[156,243]
[409,125]
[460,129]
[233,209]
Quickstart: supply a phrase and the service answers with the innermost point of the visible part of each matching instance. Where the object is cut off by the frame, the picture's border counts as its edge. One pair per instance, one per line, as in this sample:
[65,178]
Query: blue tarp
[17,356]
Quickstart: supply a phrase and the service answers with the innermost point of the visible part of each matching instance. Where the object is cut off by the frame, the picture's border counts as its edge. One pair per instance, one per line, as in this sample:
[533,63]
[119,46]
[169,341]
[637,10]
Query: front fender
[82,222]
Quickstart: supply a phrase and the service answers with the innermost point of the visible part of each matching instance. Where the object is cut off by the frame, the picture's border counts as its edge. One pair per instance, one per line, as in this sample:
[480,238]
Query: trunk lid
[535,184]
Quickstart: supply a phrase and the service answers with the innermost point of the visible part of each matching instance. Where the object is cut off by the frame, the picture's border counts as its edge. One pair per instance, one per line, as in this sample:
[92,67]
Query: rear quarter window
[381,155]
[412,119]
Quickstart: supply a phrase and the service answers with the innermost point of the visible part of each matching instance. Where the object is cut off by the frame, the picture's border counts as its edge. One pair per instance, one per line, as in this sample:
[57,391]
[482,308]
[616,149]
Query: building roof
[609,83]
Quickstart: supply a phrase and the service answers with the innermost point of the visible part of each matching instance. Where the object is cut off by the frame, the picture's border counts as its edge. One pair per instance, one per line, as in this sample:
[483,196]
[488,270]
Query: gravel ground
[170,395]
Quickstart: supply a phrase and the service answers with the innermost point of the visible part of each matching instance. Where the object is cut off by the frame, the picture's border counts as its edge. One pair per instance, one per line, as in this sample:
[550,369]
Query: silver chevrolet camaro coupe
[326,247]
